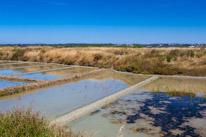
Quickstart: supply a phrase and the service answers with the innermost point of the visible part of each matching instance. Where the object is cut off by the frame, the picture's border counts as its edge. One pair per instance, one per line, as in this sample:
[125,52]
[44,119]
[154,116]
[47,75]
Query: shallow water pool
[14,71]
[41,76]
[9,72]
[6,84]
[59,100]
[56,74]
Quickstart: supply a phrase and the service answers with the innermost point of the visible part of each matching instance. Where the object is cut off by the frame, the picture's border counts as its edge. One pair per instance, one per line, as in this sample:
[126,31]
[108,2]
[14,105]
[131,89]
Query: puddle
[143,113]
[6,84]
[59,100]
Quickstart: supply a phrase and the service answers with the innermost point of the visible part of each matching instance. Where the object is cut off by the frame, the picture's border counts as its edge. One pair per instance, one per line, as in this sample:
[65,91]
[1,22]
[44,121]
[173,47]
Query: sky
[102,21]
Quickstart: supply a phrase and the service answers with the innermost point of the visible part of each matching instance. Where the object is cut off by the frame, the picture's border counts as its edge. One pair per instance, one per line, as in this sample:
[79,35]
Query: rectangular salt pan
[6,84]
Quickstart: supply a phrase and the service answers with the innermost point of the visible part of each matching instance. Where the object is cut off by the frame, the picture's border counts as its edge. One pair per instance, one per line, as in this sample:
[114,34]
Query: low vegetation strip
[15,63]
[163,61]
[12,78]
[24,67]
[46,83]
[165,76]
[100,103]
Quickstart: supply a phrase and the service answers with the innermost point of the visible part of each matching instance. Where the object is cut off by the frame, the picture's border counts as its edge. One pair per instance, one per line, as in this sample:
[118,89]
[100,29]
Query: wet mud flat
[145,113]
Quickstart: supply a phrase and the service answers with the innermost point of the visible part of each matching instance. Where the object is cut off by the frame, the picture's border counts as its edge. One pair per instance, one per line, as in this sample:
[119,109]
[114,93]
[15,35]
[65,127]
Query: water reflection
[8,72]
[56,74]
[6,84]
[41,76]
[60,100]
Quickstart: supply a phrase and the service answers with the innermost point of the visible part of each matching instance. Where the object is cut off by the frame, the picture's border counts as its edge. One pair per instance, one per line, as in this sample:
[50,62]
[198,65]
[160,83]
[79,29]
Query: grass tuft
[21,122]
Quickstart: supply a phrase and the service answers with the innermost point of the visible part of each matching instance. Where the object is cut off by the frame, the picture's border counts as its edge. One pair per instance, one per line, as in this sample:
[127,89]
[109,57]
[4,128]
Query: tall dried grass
[138,60]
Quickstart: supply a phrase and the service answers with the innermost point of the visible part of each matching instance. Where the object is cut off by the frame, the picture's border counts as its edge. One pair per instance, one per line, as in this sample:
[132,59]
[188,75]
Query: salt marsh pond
[59,100]
[6,84]
[164,107]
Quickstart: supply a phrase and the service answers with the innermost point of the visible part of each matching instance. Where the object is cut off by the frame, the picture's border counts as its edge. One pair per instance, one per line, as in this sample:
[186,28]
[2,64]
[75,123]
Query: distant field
[167,61]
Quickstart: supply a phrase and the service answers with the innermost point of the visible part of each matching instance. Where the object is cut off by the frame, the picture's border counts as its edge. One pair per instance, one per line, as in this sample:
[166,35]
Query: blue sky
[102,21]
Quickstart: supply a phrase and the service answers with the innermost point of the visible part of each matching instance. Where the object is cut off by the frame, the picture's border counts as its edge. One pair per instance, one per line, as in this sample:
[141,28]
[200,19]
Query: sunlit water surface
[6,84]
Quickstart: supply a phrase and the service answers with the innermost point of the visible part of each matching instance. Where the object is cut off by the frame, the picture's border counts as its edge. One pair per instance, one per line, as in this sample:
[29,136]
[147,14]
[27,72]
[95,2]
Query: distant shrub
[97,57]
[121,52]
[168,58]
[153,51]
[1,53]
[174,53]
[69,62]
[130,68]
[137,46]
[17,54]
[43,51]
[190,53]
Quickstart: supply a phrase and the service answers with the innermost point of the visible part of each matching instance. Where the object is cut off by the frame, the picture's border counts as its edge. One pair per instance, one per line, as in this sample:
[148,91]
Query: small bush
[168,58]
[69,62]
[43,51]
[25,123]
[1,53]
[174,53]
[97,57]
[18,53]
[190,53]
[121,52]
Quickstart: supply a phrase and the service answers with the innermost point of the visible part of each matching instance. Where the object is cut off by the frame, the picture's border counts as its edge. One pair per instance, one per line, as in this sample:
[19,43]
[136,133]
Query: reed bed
[46,83]
[167,61]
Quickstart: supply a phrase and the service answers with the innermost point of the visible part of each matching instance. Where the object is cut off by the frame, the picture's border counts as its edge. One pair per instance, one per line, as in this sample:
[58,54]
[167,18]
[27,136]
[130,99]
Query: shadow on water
[168,111]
